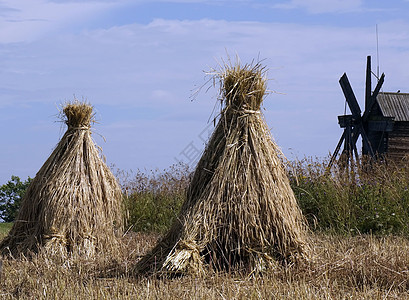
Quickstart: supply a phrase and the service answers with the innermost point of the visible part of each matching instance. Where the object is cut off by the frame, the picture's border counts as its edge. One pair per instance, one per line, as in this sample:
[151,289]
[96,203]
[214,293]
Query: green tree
[11,195]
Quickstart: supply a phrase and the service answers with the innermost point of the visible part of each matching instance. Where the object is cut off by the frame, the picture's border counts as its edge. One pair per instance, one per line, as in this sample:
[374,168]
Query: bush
[374,199]
[152,201]
[11,195]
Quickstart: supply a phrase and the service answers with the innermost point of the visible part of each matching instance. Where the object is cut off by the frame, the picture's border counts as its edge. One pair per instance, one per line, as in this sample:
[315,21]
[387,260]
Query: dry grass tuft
[240,212]
[73,205]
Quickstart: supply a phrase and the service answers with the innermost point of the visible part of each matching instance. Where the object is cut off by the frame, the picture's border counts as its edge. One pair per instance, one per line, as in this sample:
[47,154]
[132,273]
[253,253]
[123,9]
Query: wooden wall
[398,141]
[379,142]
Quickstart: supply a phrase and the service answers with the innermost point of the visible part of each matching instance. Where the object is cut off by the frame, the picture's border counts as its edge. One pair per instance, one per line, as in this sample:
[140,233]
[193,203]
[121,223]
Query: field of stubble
[360,267]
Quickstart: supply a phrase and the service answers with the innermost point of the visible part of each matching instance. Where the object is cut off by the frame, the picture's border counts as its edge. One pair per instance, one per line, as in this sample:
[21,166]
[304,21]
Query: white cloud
[323,6]
[28,20]
[147,73]
[136,63]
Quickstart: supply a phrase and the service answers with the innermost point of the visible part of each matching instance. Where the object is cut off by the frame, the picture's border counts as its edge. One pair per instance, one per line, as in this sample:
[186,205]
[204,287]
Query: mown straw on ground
[360,267]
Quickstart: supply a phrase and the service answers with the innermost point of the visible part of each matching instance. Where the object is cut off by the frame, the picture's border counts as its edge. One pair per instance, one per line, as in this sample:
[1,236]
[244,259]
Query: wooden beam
[373,98]
[385,125]
[350,97]
[368,84]
[334,156]
[366,142]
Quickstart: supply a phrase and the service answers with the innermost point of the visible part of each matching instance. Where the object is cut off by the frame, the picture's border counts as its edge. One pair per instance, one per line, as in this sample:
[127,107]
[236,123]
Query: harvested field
[360,267]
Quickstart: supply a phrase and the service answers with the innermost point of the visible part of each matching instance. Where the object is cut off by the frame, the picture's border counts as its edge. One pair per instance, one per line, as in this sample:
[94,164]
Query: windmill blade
[350,97]
[378,86]
[372,99]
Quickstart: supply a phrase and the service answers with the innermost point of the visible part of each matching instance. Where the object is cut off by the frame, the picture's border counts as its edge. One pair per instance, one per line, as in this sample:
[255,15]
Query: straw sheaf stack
[240,212]
[73,205]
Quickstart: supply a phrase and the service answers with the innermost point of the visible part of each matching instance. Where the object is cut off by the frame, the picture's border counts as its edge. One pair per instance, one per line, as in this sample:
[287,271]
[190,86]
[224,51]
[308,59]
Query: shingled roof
[394,105]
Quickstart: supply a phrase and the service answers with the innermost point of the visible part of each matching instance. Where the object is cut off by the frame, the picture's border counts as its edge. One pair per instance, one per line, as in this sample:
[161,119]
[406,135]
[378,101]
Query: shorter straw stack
[73,205]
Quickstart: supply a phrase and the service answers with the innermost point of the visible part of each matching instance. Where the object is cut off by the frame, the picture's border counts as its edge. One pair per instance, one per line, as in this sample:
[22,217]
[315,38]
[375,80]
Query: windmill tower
[357,123]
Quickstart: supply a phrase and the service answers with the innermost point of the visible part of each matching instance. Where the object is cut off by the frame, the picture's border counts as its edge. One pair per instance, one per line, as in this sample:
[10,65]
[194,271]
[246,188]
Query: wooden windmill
[357,123]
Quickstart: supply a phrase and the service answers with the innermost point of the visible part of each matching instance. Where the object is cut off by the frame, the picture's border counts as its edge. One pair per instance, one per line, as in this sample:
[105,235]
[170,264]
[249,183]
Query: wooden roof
[394,105]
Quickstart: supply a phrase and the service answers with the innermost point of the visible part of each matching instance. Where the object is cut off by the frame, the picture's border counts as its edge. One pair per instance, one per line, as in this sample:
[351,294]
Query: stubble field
[360,267]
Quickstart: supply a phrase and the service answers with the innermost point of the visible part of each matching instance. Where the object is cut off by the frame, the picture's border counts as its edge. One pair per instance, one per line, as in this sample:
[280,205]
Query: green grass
[373,199]
[153,200]
[364,200]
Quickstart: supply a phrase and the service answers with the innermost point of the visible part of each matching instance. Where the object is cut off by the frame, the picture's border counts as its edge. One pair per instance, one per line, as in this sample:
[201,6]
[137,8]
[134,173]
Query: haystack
[240,212]
[73,205]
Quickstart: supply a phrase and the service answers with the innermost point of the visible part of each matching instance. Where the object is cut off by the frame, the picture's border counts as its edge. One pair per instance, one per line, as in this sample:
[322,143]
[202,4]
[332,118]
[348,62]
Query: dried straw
[240,212]
[73,205]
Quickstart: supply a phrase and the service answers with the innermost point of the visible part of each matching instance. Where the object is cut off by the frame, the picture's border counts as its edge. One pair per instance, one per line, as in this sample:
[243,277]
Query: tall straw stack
[73,205]
[240,212]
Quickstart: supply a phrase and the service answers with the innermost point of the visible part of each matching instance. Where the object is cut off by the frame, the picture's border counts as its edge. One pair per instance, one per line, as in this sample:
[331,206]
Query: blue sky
[138,63]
